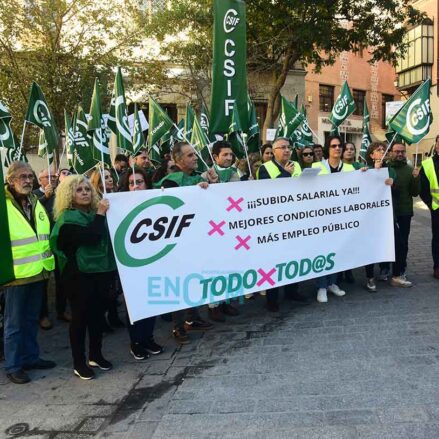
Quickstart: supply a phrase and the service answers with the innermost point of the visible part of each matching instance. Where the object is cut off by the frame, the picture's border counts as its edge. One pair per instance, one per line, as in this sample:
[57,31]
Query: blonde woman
[82,245]
[96,182]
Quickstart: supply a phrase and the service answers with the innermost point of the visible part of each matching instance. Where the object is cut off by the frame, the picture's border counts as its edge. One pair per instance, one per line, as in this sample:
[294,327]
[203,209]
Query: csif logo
[341,108]
[418,117]
[231,20]
[149,229]
[42,113]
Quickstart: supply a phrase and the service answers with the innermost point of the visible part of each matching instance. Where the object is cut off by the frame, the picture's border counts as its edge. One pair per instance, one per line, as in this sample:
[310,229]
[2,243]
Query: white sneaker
[371,286]
[399,281]
[322,296]
[263,293]
[334,289]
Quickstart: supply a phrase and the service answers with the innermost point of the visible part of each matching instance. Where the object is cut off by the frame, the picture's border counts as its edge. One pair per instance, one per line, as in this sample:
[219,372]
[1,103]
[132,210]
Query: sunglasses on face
[308,154]
[336,145]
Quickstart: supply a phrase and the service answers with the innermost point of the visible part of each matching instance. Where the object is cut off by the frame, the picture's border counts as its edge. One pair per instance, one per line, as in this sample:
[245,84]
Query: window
[415,65]
[385,98]
[326,97]
[359,98]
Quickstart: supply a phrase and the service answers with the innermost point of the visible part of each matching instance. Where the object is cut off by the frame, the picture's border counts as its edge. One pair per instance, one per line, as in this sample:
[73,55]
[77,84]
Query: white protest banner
[185,247]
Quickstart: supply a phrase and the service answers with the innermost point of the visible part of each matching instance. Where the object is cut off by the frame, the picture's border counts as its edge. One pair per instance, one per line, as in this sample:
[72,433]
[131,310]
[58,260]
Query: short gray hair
[278,139]
[15,167]
[177,150]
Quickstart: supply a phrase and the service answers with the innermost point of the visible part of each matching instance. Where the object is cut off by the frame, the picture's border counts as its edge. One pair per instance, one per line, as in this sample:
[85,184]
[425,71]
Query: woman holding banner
[141,332]
[81,242]
[332,163]
[375,160]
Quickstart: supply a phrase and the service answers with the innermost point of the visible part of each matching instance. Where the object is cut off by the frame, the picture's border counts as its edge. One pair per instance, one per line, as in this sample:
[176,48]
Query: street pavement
[362,366]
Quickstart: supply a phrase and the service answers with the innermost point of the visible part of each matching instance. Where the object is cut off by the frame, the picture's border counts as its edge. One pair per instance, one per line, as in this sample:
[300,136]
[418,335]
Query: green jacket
[181,179]
[90,259]
[408,187]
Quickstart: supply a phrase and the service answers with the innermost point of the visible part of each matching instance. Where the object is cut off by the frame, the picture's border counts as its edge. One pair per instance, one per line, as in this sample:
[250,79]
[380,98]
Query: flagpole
[22,139]
[193,147]
[102,161]
[244,144]
[390,145]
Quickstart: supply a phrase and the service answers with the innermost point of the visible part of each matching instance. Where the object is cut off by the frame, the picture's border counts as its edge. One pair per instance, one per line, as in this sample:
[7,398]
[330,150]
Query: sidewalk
[362,366]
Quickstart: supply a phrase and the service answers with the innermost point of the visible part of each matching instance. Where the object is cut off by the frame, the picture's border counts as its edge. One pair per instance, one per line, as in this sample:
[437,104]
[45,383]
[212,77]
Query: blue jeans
[22,309]
[325,281]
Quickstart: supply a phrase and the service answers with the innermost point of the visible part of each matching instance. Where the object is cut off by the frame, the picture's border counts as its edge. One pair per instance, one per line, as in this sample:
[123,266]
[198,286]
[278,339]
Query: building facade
[374,83]
[420,63]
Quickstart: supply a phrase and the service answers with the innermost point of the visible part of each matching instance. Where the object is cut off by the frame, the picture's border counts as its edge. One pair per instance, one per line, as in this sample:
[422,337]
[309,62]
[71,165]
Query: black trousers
[404,223]
[87,295]
[142,330]
[435,238]
[398,265]
[273,293]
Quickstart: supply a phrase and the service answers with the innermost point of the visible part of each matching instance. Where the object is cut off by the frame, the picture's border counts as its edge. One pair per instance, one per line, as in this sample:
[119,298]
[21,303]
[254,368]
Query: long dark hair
[328,142]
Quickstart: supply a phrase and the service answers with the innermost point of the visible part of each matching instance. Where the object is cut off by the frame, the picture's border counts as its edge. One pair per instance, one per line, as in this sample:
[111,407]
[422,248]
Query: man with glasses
[280,166]
[429,176]
[408,187]
[29,230]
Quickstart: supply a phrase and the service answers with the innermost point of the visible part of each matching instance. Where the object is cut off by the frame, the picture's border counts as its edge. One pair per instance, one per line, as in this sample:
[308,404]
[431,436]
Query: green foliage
[62,45]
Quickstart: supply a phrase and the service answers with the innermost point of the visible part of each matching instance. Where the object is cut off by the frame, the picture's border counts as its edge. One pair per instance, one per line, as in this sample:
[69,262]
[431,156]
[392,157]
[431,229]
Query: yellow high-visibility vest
[430,173]
[31,252]
[274,172]
[324,170]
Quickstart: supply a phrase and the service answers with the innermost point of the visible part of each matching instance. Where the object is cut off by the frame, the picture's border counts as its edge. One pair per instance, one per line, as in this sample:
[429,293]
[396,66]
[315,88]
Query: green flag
[82,160]
[6,134]
[229,70]
[97,126]
[412,122]
[204,120]
[155,153]
[175,134]
[235,134]
[290,118]
[118,117]
[366,139]
[138,139]
[43,150]
[302,135]
[15,154]
[70,137]
[344,106]
[159,122]
[254,132]
[38,113]
[7,269]
[189,121]
[199,139]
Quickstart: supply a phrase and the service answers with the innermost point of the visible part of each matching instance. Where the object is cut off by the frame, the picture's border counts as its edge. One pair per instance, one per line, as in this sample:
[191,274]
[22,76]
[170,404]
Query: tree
[281,33]
[62,45]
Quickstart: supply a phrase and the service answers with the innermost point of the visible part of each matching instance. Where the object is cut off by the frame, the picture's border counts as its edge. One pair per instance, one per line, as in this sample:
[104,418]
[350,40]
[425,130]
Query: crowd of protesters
[71,210]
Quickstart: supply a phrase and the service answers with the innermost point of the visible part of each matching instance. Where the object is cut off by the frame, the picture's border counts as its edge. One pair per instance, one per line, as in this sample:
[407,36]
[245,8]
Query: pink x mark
[235,204]
[266,277]
[243,242]
[216,228]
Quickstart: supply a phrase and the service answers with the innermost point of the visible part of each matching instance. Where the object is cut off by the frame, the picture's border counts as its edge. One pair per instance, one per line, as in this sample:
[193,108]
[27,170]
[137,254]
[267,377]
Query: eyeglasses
[336,145]
[25,177]
[137,182]
[308,154]
[282,147]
